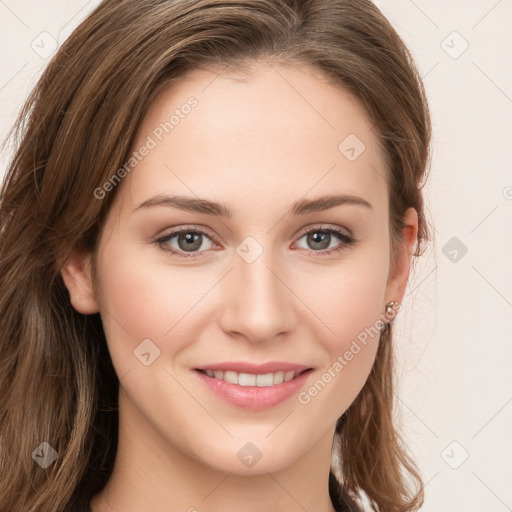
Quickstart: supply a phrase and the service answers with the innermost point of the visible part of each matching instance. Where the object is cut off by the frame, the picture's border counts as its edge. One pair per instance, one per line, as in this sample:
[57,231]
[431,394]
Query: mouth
[254,387]
[251,379]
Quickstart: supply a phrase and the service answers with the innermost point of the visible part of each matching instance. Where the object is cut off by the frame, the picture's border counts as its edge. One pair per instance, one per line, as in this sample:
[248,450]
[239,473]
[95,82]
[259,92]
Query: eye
[321,238]
[192,240]
[188,240]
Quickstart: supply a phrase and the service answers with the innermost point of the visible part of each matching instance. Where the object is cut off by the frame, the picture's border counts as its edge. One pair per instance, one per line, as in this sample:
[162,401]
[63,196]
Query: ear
[399,272]
[76,273]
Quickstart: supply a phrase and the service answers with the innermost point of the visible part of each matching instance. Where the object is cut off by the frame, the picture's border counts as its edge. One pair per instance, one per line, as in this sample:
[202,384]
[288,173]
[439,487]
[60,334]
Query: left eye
[192,241]
[321,238]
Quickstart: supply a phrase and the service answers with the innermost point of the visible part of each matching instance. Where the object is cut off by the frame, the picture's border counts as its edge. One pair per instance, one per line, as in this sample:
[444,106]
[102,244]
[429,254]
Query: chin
[247,458]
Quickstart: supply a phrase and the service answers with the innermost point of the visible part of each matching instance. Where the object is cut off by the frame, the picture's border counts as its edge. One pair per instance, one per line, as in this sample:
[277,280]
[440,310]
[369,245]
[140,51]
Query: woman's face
[267,284]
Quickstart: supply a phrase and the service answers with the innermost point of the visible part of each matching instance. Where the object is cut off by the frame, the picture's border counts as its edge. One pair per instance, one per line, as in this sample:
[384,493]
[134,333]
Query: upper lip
[256,369]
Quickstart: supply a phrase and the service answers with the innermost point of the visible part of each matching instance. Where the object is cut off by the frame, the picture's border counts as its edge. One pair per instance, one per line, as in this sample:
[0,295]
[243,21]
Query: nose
[256,300]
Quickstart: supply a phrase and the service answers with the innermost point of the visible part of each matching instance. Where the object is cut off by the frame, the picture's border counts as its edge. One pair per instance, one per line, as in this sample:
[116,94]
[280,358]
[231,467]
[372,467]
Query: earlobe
[399,274]
[76,273]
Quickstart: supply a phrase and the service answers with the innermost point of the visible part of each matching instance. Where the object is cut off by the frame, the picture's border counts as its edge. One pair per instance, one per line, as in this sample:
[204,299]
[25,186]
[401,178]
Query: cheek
[143,298]
[346,301]
[347,305]
[140,302]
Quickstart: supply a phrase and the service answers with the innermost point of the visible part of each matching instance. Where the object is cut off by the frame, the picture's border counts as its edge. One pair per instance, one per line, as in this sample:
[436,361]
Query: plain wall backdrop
[453,336]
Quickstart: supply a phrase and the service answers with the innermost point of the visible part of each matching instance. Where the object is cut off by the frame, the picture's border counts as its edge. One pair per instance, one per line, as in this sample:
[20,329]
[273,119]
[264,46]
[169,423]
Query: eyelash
[338,233]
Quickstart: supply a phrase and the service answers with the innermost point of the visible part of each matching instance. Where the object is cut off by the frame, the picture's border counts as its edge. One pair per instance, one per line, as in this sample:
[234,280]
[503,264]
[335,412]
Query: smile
[249,379]
[266,387]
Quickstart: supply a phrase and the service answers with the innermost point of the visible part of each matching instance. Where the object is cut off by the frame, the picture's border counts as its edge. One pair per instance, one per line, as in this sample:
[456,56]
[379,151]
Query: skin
[255,143]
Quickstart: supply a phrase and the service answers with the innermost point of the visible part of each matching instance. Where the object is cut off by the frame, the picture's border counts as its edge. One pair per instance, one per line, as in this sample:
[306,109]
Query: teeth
[231,377]
[249,379]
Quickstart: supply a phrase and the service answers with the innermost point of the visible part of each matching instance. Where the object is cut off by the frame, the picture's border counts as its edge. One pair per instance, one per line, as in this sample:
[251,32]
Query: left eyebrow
[204,206]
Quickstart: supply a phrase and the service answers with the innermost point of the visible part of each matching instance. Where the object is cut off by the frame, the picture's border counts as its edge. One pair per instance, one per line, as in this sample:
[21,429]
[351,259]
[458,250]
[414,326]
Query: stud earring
[389,307]
[390,310]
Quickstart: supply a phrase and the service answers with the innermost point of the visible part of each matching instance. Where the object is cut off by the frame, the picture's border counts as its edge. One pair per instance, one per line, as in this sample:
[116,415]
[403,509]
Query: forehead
[275,133]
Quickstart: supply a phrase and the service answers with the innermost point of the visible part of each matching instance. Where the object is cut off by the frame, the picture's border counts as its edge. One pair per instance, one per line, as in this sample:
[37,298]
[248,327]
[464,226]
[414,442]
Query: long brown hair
[76,129]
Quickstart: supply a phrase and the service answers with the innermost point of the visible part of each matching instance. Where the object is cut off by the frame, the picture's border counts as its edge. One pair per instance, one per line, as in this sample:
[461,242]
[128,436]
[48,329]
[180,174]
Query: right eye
[188,241]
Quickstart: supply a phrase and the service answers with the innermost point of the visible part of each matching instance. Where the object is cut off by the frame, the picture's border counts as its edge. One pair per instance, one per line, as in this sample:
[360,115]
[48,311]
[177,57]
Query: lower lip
[254,398]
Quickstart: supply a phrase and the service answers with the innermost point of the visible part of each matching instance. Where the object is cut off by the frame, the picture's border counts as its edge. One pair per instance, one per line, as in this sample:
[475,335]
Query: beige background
[454,346]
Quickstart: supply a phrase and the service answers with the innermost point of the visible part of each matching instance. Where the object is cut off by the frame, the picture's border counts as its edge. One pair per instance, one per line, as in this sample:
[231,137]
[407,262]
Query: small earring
[390,307]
